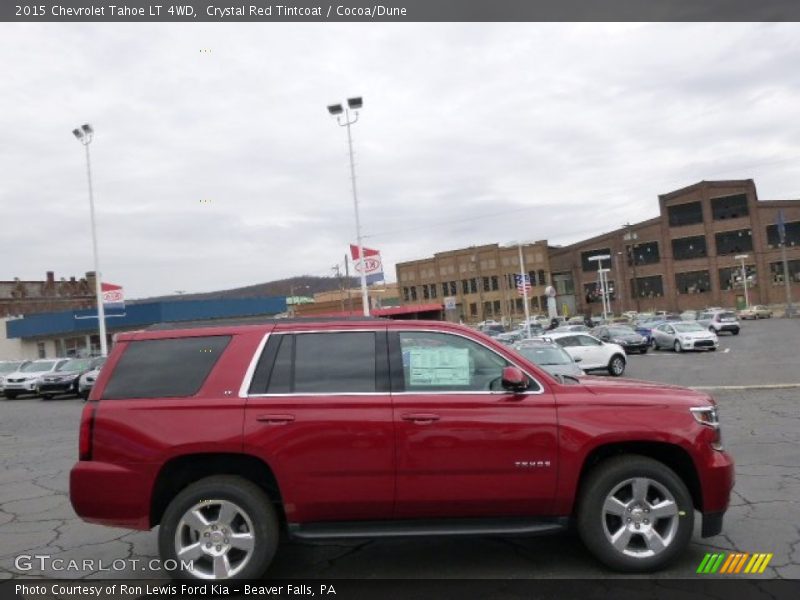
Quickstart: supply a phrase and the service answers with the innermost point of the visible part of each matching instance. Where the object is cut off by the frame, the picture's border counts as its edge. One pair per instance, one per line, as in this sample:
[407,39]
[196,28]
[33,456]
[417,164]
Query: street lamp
[336,110]
[601,278]
[522,275]
[84,135]
[741,257]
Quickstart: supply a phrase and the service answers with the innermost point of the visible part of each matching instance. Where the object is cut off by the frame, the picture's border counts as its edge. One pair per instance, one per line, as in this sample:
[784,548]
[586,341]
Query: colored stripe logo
[734,563]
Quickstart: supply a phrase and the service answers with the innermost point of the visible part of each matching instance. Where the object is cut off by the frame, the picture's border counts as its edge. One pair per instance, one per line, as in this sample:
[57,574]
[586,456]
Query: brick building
[686,257]
[479,278]
[19,297]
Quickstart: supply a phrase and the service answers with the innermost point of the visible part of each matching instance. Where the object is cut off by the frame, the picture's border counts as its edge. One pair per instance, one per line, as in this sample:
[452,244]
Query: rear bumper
[110,494]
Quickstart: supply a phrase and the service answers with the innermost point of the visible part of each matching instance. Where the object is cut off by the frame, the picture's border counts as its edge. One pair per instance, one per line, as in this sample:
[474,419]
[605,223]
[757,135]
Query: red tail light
[85,436]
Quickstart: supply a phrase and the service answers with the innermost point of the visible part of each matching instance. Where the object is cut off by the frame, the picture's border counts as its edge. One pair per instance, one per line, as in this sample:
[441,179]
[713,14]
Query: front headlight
[709,416]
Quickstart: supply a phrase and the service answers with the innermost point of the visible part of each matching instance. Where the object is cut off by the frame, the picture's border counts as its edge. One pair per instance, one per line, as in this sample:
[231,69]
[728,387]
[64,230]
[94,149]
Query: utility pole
[341,286]
[347,278]
[631,237]
[786,282]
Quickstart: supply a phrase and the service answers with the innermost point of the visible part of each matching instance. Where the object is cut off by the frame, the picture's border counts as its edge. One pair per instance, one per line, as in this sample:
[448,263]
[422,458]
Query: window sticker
[439,366]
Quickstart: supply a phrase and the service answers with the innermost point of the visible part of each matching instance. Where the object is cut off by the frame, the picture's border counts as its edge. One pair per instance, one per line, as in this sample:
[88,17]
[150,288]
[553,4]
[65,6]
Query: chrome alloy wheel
[216,538]
[640,517]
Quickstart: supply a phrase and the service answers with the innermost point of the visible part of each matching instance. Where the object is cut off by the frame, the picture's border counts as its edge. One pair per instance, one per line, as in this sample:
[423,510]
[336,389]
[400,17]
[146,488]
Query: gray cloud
[471,133]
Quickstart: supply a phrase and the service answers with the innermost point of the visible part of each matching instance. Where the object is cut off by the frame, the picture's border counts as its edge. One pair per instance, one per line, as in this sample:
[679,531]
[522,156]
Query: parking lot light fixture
[741,258]
[336,110]
[601,279]
[85,135]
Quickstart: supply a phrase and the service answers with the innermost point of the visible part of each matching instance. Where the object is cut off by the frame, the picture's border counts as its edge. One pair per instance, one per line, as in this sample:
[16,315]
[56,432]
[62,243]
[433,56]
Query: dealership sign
[113,296]
[372,263]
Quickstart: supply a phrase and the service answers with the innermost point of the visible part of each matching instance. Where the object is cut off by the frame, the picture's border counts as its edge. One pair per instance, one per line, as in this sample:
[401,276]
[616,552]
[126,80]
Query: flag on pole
[113,296]
[781,223]
[523,283]
[372,260]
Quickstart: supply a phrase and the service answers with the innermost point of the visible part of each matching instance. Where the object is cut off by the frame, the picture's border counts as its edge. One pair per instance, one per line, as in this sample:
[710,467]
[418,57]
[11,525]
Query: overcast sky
[470,134]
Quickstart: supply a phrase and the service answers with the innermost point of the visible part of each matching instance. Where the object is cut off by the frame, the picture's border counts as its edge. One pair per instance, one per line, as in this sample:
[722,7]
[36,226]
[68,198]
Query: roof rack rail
[255,320]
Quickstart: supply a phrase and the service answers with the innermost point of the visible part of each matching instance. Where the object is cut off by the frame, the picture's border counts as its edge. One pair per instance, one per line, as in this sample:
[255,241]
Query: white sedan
[590,353]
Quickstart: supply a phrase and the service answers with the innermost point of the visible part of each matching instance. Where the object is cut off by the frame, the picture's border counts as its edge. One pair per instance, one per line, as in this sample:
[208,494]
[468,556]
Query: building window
[776,271]
[693,282]
[689,247]
[591,265]
[496,307]
[405,294]
[647,287]
[425,293]
[487,309]
[473,285]
[518,305]
[592,293]
[433,290]
[452,288]
[445,288]
[644,254]
[495,283]
[486,284]
[685,214]
[542,277]
[413,292]
[729,207]
[40,350]
[731,277]
[473,309]
[563,283]
[792,235]
[734,242]
[465,286]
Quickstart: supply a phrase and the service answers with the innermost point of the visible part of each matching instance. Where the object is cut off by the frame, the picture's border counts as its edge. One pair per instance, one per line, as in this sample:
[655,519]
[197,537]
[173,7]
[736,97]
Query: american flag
[523,284]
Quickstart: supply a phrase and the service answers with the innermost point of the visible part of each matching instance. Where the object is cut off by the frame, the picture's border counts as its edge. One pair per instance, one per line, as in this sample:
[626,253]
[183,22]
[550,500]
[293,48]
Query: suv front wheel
[221,527]
[616,366]
[635,514]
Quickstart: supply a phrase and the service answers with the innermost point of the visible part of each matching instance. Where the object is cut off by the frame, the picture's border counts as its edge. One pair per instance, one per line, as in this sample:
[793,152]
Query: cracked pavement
[38,446]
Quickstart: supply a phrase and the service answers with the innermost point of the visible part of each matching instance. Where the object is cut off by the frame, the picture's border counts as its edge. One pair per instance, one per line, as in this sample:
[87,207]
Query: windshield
[620,330]
[9,367]
[545,355]
[35,367]
[687,327]
[77,364]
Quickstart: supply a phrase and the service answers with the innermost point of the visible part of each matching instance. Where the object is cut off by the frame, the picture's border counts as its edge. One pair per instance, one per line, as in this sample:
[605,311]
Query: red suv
[228,435]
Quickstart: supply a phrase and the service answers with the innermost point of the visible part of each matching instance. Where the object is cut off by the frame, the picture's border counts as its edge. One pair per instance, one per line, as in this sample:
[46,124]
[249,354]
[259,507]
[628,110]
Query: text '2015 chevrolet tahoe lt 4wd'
[227,435]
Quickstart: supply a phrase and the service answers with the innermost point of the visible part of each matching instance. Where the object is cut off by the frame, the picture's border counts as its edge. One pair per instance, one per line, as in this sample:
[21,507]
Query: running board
[427,527]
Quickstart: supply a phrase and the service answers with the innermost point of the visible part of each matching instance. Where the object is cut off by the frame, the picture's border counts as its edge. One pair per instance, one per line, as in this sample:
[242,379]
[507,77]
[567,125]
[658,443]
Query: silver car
[25,380]
[10,366]
[550,356]
[683,335]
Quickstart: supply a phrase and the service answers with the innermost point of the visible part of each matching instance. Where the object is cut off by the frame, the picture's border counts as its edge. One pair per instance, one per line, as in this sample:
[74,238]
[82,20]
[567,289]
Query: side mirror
[577,359]
[514,380]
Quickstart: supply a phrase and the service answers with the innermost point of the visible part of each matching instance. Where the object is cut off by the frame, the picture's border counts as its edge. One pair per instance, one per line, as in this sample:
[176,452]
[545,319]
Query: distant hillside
[282,287]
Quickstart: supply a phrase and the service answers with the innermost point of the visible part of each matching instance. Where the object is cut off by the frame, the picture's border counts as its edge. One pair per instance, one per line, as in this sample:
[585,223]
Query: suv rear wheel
[224,526]
[635,514]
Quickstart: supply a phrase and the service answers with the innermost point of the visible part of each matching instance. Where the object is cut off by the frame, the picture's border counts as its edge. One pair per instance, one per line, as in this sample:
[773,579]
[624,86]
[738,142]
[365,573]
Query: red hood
[639,389]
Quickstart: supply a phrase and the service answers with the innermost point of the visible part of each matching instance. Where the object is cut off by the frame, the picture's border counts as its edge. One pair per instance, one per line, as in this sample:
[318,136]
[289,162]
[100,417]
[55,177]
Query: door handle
[420,418]
[275,419]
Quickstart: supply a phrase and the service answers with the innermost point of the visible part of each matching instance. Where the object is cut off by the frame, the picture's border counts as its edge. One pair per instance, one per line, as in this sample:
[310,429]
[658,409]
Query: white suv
[26,379]
[590,353]
[720,320]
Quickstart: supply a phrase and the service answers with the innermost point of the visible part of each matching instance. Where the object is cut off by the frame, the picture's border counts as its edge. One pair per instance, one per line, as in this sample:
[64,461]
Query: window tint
[280,380]
[334,363]
[164,368]
[442,362]
[568,340]
[586,340]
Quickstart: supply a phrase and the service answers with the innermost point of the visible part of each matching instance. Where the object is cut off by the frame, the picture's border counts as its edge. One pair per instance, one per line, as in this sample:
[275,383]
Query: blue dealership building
[75,332]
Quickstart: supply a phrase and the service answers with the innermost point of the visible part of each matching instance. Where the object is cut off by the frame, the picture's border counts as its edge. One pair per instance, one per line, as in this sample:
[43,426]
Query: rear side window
[164,368]
[322,363]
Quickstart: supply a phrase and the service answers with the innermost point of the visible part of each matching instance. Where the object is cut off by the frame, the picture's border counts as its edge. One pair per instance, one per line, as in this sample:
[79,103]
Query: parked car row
[49,377]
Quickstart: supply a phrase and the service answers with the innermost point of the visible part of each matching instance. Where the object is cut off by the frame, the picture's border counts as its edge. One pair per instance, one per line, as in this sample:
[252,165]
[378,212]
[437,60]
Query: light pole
[601,278]
[354,104]
[631,237]
[524,288]
[84,135]
[741,257]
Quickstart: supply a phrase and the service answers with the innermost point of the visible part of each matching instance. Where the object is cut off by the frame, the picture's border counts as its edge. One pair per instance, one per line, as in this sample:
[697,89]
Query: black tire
[643,350]
[244,493]
[653,344]
[10,395]
[677,347]
[735,332]
[84,395]
[46,396]
[600,483]
[616,366]
[712,349]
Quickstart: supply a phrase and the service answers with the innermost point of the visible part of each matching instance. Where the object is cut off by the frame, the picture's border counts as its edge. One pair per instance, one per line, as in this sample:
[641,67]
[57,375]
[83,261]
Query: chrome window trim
[251,369]
[259,351]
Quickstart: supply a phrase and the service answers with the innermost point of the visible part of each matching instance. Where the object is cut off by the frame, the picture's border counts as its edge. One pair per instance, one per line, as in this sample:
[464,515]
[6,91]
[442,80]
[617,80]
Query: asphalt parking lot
[761,427]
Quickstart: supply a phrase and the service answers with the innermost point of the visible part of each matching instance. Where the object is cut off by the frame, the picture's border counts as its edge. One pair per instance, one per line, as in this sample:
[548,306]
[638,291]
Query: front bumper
[55,388]
[25,386]
[634,346]
[700,344]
